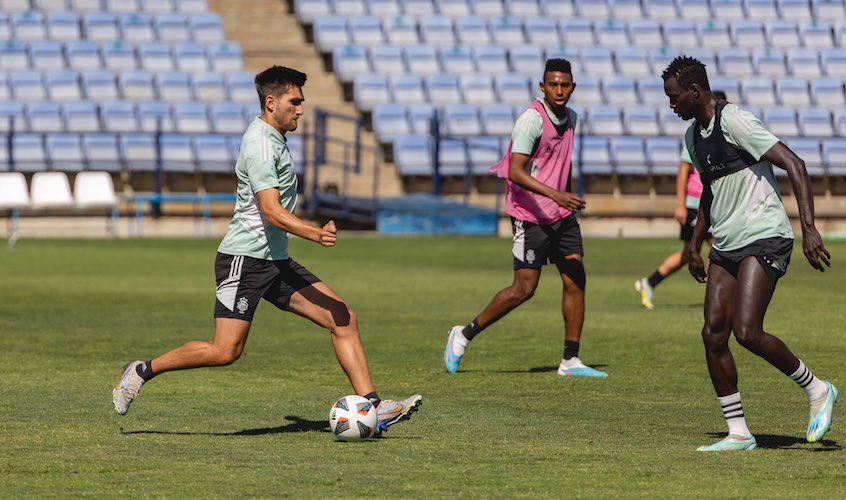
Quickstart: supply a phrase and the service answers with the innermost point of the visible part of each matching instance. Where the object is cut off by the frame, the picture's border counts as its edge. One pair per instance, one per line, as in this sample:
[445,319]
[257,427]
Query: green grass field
[72,312]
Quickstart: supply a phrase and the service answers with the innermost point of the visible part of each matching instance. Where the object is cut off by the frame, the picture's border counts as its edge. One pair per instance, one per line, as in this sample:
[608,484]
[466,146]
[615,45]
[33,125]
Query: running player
[541,206]
[252,262]
[753,239]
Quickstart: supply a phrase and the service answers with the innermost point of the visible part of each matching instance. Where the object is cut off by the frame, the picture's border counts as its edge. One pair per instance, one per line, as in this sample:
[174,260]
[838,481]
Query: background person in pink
[539,201]
[688,193]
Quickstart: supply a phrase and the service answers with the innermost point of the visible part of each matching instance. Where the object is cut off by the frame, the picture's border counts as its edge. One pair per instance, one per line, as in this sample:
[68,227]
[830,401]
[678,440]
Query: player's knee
[343,321]
[574,270]
[714,337]
[226,355]
[748,336]
[523,291]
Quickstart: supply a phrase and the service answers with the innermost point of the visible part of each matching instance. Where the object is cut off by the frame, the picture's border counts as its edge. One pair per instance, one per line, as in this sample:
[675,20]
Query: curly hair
[687,70]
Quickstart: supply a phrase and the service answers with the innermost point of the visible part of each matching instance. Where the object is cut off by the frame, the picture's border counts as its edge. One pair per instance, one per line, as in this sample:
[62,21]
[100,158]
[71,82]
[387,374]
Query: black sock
[655,278]
[472,329]
[145,370]
[374,398]
[571,349]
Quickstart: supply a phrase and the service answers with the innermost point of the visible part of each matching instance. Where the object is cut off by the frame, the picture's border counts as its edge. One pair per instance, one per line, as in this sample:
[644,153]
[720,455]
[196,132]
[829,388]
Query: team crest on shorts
[242,305]
[530,256]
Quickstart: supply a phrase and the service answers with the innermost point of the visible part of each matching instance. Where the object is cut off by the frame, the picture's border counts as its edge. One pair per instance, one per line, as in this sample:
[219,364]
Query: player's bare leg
[573,279]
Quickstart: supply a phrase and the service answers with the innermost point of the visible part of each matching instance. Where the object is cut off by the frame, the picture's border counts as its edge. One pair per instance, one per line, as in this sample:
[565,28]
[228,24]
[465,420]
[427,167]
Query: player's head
[280,91]
[686,84]
[557,84]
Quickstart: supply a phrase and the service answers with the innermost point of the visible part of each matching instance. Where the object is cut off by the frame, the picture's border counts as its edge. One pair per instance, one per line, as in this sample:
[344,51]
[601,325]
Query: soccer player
[252,262]
[541,206]
[734,154]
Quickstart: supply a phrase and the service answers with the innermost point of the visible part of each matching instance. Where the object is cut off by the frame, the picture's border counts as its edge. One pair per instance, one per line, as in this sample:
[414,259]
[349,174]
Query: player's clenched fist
[328,234]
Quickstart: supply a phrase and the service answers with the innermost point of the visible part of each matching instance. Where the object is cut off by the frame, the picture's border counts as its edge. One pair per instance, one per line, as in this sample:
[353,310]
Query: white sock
[460,344]
[573,362]
[814,387]
[733,413]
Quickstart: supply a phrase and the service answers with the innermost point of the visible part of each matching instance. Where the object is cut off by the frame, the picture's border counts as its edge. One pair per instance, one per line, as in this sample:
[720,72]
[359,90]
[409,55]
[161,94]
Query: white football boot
[128,387]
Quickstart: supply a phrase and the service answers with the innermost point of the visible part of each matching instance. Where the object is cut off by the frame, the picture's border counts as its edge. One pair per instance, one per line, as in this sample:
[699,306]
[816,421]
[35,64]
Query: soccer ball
[352,418]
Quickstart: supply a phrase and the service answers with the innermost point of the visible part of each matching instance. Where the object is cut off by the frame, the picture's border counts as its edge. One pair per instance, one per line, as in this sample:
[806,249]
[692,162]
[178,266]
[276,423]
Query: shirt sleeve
[745,131]
[685,154]
[262,173]
[689,149]
[526,131]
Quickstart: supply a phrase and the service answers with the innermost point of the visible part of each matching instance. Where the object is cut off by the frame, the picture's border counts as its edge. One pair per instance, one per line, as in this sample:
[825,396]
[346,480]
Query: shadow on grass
[778,442]
[544,369]
[296,424]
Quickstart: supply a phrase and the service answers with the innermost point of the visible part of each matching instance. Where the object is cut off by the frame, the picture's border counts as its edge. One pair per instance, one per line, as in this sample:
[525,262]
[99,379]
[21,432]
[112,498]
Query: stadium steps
[246,22]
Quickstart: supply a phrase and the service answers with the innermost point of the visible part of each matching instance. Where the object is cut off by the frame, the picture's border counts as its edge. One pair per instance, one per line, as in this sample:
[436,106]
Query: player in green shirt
[734,154]
[253,263]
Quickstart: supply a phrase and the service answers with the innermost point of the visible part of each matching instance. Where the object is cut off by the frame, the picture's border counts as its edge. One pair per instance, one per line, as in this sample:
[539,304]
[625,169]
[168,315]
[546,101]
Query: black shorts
[242,281]
[772,253]
[534,245]
[686,233]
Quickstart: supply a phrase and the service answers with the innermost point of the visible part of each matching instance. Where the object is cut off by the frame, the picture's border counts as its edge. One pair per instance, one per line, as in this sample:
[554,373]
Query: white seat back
[94,190]
[13,191]
[50,189]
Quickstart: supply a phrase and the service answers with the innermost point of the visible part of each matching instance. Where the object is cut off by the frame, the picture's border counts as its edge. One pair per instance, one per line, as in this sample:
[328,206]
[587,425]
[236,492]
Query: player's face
[287,108]
[557,88]
[682,100]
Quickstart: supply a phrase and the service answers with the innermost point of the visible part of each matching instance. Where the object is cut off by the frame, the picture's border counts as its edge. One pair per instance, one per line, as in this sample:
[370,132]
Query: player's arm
[276,214]
[518,175]
[681,191]
[781,156]
[695,263]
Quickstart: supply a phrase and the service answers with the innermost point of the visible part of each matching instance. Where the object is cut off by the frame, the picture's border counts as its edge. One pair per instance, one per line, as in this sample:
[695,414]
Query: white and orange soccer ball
[353,418]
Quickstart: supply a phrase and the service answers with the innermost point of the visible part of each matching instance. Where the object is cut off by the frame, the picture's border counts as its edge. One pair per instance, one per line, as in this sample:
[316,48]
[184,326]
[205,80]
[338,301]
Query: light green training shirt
[529,126]
[747,206]
[264,162]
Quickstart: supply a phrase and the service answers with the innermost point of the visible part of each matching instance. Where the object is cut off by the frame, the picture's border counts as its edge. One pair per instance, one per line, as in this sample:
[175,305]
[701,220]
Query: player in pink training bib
[537,167]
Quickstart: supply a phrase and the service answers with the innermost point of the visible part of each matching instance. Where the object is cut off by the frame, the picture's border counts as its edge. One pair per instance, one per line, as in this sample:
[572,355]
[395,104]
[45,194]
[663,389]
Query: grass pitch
[73,312]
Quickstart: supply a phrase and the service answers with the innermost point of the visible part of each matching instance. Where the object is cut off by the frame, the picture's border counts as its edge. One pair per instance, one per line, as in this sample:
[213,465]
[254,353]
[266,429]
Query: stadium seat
[63,86]
[155,116]
[209,87]
[729,85]
[101,151]
[491,60]
[387,60]
[834,62]
[569,53]
[207,28]
[735,62]
[407,89]
[477,89]
[457,60]
[350,61]
[309,10]
[413,155]
[330,32]
[227,118]
[400,31]
[646,33]
[47,5]
[177,153]
[366,31]
[749,33]
[118,116]
[81,116]
[671,124]
[496,119]
[174,87]
[796,10]
[834,152]
[191,57]
[64,152]
[592,9]
[101,26]
[793,92]
[807,149]
[589,93]
[611,33]
[769,62]
[619,90]
[137,85]
[437,31]
[27,86]
[28,26]
[241,87]
[483,152]
[138,151]
[661,58]
[542,32]
[349,8]
[660,9]
[442,89]
[781,121]
[214,155]
[156,6]
[605,120]
[13,56]
[714,34]
[633,61]
[527,60]
[507,32]
[12,116]
[384,8]
[462,120]
[817,35]
[803,63]
[641,120]
[513,89]
[50,190]
[191,118]
[628,155]
[44,116]
[121,6]
[472,31]
[758,91]
[626,9]
[390,121]
[828,9]
[13,191]
[63,25]
[488,8]
[4,88]
[595,157]
[28,152]
[94,190]
[418,7]
[47,56]
[651,91]
[420,118]
[452,157]
[137,27]
[827,92]
[599,60]
[681,33]
[173,28]
[369,90]
[816,122]
[728,10]
[577,32]
[119,56]
[422,60]
[83,55]
[783,34]
[663,153]
[527,9]
[155,57]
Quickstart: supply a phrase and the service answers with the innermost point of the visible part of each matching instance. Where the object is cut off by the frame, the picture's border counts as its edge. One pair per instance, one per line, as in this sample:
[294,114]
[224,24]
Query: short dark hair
[276,80]
[687,70]
[719,94]
[557,65]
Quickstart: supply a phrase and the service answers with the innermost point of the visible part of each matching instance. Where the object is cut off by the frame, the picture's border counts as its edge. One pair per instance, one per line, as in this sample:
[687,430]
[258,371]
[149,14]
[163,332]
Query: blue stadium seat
[63,25]
[783,34]
[64,152]
[840,33]
[457,60]
[156,6]
[227,118]
[477,89]
[390,121]
[400,31]
[816,122]
[611,33]
[681,33]
[191,57]
[366,30]
[629,155]
[81,116]
[761,9]
[44,116]
[241,87]
[507,31]
[28,152]
[796,10]
[207,28]
[728,10]
[513,89]
[834,62]
[453,158]
[422,60]
[793,92]
[27,86]
[593,9]
[599,60]
[12,116]
[804,63]
[173,28]
[369,90]
[488,8]
[5,31]
[569,53]
[453,8]
[834,153]
[155,116]
[542,32]
[101,26]
[13,55]
[118,116]
[119,56]
[442,89]
[420,118]
[749,33]
[828,92]
[137,85]
[619,90]
[137,27]
[482,153]
[4,87]
[309,10]
[407,89]
[663,152]
[671,124]
[589,91]
[177,153]
[714,34]
[472,31]
[817,35]
[651,91]
[595,157]
[418,8]
[83,55]
[209,87]
[605,119]
[662,57]
[155,57]
[491,60]
[462,120]
[349,8]
[645,33]
[191,118]
[46,56]
[577,32]
[735,62]
[641,120]
[349,61]
[175,87]
[769,62]
[633,61]
[214,154]
[807,149]
[101,151]
[387,60]
[496,119]
[729,85]
[527,9]
[758,91]
[384,8]
[436,31]
[527,60]
[28,26]
[413,155]
[63,86]
[330,32]
[781,121]
[626,9]
[139,151]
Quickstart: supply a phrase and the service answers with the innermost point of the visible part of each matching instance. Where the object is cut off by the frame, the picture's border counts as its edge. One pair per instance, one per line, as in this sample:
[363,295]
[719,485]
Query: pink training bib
[549,164]
[694,183]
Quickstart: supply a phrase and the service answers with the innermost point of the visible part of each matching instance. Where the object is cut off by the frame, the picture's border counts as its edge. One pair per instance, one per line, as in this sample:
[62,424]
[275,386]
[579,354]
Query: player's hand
[328,234]
[681,214]
[696,266]
[569,201]
[815,251]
